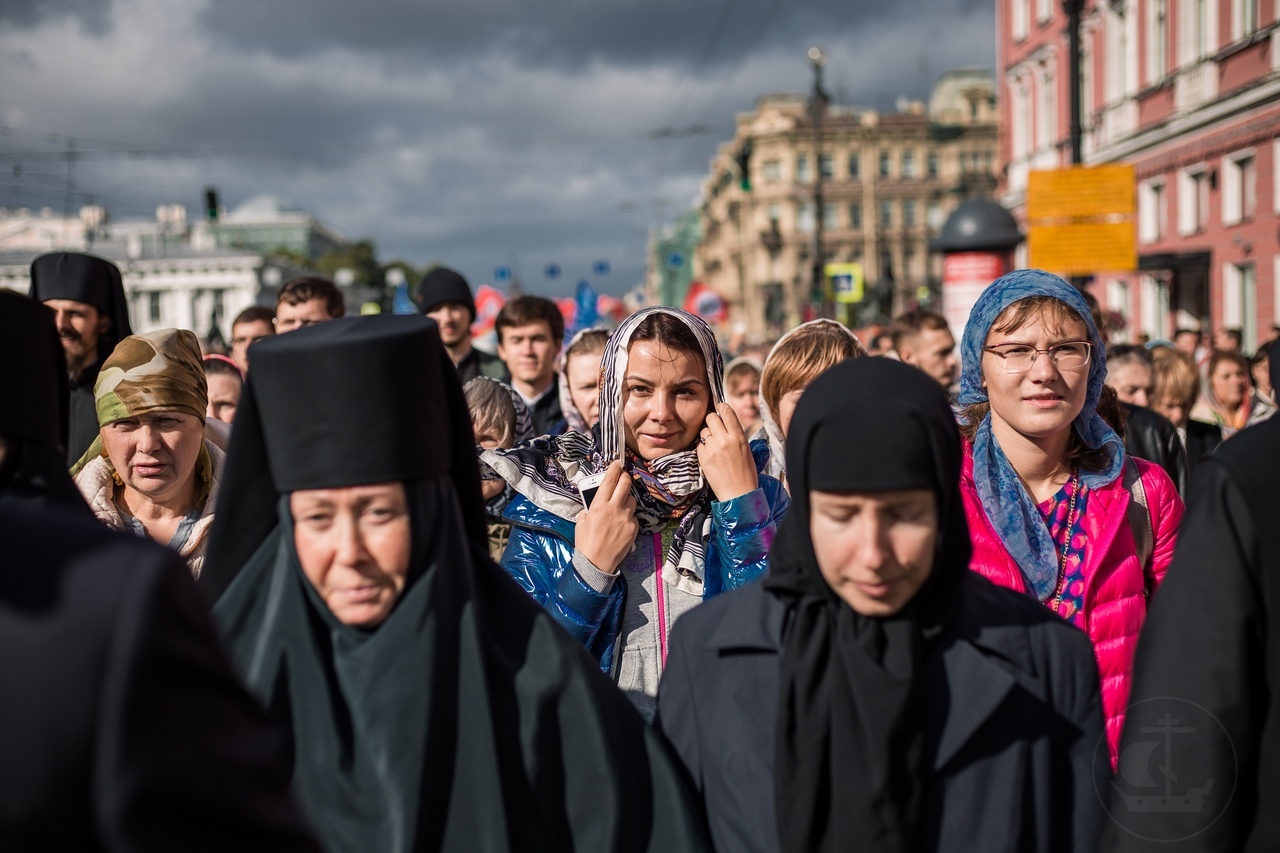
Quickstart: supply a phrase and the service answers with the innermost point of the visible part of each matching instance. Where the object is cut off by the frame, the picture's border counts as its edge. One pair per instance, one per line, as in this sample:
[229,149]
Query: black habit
[122,726]
[467,720]
[968,720]
[1208,669]
[33,417]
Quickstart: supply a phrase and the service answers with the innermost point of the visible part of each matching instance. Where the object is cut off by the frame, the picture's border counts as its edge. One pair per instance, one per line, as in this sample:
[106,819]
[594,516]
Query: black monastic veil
[850,756]
[467,720]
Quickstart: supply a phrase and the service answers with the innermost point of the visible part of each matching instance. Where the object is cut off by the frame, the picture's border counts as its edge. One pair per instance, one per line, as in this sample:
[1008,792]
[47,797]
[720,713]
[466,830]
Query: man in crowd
[445,297]
[252,324]
[923,339]
[530,331]
[1130,372]
[1228,340]
[306,301]
[1147,434]
[86,295]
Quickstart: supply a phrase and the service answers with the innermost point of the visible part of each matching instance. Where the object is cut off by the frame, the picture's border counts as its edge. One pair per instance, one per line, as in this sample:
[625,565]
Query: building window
[826,167]
[1154,320]
[830,220]
[1046,118]
[884,164]
[934,215]
[1118,296]
[1021,13]
[855,166]
[908,213]
[1021,122]
[1117,55]
[886,213]
[804,217]
[1193,200]
[931,164]
[908,164]
[1240,302]
[1239,187]
[771,171]
[855,215]
[1275,188]
[775,216]
[1044,11]
[803,175]
[153,306]
[1152,218]
[1157,40]
[908,262]
[1244,18]
[1198,30]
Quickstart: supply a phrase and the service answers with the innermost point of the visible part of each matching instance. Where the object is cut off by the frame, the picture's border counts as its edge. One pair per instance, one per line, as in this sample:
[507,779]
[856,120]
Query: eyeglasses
[1019,358]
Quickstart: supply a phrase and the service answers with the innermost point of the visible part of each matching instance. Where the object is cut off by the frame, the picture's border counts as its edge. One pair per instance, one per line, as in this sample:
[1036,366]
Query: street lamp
[817,108]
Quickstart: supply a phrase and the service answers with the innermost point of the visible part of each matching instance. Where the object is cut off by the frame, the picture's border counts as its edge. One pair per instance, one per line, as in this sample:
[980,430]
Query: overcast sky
[476,133]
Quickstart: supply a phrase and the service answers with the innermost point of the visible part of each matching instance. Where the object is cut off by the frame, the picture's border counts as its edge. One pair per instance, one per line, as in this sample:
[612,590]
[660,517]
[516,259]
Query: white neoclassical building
[176,275]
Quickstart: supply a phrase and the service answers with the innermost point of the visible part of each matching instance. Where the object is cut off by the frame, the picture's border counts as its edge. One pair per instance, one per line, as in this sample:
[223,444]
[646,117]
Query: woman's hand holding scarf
[724,454]
[607,532]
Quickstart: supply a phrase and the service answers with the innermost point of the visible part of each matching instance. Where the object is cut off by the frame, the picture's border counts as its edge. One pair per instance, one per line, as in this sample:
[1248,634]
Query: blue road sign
[552,271]
[675,260]
[600,268]
[502,274]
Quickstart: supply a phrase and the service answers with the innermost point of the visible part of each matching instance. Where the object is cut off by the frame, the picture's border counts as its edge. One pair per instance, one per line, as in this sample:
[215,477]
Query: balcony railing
[1119,120]
[1195,85]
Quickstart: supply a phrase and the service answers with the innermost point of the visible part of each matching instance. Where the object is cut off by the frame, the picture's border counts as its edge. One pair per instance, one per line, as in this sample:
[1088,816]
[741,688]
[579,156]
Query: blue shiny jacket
[540,558]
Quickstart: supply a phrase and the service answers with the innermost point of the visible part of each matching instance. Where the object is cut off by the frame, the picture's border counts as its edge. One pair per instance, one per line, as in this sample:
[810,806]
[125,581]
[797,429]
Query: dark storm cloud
[567,34]
[477,134]
[94,15]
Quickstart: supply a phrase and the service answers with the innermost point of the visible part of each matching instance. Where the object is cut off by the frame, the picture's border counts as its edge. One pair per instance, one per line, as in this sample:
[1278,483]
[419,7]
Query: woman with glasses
[1056,508]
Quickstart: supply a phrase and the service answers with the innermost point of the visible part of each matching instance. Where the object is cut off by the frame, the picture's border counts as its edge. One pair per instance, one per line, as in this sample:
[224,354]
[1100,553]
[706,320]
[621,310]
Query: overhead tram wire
[717,30]
[750,45]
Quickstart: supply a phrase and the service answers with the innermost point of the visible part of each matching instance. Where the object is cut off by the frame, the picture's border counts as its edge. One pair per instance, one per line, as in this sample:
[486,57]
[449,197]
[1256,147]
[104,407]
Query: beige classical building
[889,182]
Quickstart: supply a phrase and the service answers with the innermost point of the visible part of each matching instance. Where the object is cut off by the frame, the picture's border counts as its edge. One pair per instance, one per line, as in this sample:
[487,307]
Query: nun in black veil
[33,409]
[872,693]
[429,703]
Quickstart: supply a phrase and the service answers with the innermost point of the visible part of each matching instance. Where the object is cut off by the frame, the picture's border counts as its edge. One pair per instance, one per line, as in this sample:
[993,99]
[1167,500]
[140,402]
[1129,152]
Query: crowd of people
[934,595]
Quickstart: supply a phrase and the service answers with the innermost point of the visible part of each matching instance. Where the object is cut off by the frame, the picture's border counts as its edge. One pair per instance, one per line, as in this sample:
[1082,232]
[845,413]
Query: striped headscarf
[547,470]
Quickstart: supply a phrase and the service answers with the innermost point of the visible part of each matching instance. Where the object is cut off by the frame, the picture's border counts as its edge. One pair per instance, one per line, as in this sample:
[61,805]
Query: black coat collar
[981,658]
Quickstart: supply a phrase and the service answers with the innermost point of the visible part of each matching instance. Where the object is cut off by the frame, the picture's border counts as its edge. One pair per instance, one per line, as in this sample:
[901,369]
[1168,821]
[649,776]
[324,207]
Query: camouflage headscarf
[156,372]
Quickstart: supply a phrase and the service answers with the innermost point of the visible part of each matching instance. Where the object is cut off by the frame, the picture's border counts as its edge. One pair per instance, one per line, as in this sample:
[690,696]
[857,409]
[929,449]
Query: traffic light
[211,204]
[743,159]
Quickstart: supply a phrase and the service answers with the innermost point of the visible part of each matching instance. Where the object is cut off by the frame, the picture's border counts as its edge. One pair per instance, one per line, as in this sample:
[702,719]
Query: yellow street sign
[846,281]
[1075,191]
[1083,247]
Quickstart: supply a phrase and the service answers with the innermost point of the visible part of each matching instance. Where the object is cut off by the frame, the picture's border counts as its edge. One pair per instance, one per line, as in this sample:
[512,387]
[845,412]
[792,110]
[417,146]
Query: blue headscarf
[1010,508]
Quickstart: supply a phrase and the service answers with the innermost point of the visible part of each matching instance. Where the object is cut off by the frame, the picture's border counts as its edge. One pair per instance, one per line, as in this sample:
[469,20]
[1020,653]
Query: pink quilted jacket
[1114,604]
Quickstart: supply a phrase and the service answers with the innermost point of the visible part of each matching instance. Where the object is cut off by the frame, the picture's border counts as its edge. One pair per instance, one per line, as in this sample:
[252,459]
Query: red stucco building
[1188,91]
